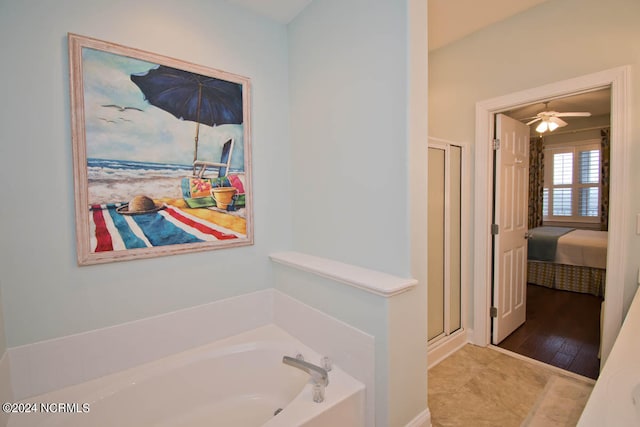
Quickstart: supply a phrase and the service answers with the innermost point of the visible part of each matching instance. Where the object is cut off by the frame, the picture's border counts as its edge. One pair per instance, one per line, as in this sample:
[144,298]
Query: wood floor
[562,329]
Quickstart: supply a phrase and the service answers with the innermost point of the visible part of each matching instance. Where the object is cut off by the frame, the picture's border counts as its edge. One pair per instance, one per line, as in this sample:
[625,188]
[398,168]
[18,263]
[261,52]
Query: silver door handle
[528,235]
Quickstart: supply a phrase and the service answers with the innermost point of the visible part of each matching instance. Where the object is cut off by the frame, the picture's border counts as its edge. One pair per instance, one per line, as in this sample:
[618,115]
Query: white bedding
[586,248]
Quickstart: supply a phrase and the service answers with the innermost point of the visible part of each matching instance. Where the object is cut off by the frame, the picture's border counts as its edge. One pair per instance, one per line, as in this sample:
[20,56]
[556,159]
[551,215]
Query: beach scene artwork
[161,154]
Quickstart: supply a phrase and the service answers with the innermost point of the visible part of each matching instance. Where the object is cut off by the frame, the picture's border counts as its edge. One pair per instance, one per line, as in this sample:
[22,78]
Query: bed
[568,259]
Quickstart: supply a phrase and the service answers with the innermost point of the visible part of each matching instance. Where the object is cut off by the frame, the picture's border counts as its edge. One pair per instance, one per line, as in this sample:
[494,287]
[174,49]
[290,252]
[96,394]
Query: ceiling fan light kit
[546,126]
[550,120]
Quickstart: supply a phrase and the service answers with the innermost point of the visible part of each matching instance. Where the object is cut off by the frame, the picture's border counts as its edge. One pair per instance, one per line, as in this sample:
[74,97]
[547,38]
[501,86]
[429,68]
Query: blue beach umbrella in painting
[193,97]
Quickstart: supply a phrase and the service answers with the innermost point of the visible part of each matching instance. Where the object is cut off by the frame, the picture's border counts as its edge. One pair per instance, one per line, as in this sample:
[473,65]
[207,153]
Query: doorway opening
[566,212]
[617,79]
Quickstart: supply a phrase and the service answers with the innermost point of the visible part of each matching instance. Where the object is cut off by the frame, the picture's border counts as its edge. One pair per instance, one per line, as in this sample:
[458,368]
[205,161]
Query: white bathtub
[238,381]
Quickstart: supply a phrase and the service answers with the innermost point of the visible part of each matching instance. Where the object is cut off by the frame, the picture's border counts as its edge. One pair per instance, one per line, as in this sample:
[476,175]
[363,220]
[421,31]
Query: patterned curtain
[604,179]
[536,181]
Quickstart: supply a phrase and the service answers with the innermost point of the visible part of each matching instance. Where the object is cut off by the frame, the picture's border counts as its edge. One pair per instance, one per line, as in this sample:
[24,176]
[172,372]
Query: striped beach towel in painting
[111,231]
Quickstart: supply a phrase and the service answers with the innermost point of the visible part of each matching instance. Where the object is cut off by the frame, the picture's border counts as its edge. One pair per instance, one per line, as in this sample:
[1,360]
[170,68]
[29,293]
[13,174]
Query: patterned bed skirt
[567,277]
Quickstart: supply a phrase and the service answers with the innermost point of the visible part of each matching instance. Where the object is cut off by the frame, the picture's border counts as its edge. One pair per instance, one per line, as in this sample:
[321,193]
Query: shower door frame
[448,341]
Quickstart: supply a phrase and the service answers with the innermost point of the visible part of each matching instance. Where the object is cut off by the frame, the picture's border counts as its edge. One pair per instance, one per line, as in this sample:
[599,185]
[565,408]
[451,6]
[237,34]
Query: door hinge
[496,144]
[493,312]
[495,229]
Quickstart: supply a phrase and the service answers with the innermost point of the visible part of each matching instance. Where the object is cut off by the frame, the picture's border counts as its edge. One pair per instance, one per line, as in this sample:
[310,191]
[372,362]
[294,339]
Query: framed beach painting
[161,154]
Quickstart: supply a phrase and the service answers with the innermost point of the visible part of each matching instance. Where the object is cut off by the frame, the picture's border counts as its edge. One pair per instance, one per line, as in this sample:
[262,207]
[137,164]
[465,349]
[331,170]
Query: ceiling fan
[550,120]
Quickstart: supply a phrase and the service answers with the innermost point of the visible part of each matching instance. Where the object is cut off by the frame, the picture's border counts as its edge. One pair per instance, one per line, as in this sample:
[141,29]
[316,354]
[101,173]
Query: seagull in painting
[121,108]
[106,120]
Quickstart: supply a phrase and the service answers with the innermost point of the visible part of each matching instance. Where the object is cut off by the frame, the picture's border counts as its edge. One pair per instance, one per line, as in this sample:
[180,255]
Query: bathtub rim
[267,337]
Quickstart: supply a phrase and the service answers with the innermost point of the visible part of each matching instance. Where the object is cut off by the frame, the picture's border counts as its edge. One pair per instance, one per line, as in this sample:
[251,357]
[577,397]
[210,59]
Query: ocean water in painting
[100,170]
[118,181]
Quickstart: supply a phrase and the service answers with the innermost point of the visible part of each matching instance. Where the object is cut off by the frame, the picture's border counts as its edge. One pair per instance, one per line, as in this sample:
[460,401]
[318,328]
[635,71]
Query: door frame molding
[616,78]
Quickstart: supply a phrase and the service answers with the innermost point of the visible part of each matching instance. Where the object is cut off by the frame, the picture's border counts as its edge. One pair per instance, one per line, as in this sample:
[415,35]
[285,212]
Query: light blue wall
[45,293]
[348,74]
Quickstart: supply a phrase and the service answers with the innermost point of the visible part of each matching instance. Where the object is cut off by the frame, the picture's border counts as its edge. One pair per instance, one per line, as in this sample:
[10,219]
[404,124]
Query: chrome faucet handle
[318,392]
[326,363]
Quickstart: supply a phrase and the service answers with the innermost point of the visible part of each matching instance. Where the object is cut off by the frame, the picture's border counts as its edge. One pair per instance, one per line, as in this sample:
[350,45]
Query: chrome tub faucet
[319,376]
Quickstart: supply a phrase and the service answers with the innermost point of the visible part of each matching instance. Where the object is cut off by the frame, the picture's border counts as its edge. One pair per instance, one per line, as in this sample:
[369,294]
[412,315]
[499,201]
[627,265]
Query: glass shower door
[444,240]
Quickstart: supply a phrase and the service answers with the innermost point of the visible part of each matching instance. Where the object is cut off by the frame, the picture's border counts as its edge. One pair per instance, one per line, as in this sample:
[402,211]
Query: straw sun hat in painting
[140,205]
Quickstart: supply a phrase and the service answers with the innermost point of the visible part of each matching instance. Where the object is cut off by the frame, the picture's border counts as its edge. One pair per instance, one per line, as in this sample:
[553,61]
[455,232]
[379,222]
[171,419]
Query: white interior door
[510,219]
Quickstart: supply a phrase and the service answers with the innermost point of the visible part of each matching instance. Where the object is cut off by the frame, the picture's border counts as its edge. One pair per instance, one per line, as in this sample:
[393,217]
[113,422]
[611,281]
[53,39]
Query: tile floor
[480,386]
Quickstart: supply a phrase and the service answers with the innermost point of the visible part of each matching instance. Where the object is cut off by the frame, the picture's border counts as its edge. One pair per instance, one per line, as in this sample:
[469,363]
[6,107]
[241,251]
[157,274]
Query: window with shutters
[572,183]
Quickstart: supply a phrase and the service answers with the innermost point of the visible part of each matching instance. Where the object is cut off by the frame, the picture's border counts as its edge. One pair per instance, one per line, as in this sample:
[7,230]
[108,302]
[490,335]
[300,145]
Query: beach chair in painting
[201,191]
[200,166]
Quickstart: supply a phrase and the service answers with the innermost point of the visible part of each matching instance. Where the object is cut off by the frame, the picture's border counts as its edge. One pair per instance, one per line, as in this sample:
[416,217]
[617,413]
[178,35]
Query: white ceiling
[282,11]
[451,20]
[597,102]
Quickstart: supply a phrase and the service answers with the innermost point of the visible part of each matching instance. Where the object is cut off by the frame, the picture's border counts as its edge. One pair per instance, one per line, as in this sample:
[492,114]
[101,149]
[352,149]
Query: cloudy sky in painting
[150,135]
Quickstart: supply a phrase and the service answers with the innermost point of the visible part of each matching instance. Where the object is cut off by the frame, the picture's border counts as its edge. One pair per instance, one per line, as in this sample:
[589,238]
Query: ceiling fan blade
[573,114]
[559,122]
[534,120]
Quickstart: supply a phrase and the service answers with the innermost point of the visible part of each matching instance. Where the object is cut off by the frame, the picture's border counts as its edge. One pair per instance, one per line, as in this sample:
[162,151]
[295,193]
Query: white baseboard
[471,336]
[423,419]
[443,348]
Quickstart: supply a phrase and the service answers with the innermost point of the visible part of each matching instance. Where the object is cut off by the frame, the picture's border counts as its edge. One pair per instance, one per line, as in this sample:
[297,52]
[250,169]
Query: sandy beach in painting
[115,181]
[118,181]
[104,191]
